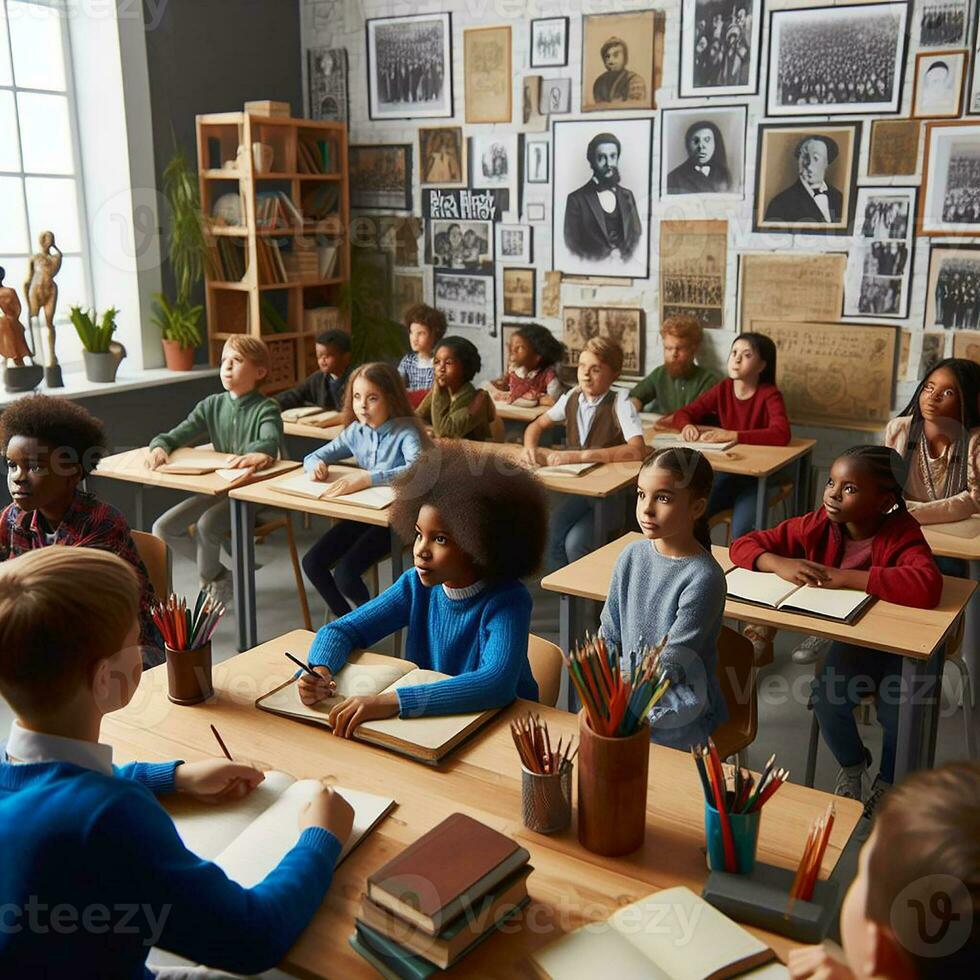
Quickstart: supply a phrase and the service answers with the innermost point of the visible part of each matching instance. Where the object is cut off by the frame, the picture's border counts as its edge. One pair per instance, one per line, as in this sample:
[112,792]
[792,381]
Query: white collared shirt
[25,746]
[822,202]
[629,420]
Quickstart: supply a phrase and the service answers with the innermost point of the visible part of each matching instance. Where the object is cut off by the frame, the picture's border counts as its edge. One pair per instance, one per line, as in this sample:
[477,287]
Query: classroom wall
[341,24]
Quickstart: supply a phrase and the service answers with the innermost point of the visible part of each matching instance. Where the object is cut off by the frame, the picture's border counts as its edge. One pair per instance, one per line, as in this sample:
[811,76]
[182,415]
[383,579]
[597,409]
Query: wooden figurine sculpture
[42,294]
[13,344]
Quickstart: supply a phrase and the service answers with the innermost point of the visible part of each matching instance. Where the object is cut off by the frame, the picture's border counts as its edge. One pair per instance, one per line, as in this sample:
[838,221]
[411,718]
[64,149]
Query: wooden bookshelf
[259,303]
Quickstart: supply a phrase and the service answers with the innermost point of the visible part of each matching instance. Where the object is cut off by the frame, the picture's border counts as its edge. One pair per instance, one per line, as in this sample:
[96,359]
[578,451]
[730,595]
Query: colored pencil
[533,742]
[814,850]
[221,742]
[183,629]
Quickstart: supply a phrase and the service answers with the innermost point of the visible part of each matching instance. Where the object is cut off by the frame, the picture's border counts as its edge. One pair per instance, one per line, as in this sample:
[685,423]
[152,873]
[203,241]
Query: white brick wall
[340,23]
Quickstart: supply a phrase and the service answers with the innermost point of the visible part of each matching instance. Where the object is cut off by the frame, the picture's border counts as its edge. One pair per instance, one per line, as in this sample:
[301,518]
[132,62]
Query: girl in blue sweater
[383,435]
[480,528]
[670,585]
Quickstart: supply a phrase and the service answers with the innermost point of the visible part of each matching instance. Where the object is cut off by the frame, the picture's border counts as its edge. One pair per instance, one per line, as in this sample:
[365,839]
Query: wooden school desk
[244,502]
[519,413]
[306,428]
[569,886]
[130,467]
[918,635]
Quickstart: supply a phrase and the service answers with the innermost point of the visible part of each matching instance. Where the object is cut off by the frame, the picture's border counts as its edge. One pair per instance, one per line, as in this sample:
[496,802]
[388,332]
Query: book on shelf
[328,257]
[461,860]
[670,935]
[566,469]
[428,739]
[227,259]
[249,837]
[377,498]
[671,440]
[768,589]
[320,201]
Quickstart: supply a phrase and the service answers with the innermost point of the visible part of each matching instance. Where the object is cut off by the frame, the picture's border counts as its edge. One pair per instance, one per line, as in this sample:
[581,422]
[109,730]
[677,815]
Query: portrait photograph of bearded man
[601,197]
[703,151]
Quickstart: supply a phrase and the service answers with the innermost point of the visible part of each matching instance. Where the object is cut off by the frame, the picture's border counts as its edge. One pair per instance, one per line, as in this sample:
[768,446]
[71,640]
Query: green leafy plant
[186,242]
[95,337]
[180,321]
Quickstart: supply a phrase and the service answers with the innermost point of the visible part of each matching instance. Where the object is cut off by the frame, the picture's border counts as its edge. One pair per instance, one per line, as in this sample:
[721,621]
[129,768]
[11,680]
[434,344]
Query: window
[40,176]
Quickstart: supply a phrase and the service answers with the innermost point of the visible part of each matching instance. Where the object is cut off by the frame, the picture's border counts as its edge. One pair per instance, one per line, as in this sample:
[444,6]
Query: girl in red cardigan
[863,538]
[750,409]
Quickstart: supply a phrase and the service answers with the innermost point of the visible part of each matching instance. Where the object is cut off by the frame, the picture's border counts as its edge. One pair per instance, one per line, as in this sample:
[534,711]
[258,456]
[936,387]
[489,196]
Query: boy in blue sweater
[93,871]
[480,528]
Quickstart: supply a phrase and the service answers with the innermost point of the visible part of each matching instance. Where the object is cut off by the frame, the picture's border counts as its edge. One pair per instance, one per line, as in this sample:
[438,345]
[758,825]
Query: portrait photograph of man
[805,178]
[703,151]
[602,202]
[618,61]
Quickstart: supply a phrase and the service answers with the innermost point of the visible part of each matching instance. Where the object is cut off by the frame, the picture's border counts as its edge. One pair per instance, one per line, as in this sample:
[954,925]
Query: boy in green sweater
[678,381]
[240,421]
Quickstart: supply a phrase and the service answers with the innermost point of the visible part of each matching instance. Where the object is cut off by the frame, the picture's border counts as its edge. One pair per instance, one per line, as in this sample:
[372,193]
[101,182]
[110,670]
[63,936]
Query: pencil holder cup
[546,800]
[745,834]
[189,675]
[612,789]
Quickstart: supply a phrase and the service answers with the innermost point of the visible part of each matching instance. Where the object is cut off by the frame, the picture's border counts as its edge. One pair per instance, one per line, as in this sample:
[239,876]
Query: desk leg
[803,484]
[243,573]
[567,612]
[918,712]
[761,500]
[139,506]
[600,521]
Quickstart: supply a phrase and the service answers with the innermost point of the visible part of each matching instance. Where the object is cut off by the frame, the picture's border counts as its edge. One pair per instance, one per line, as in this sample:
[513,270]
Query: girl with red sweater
[750,409]
[863,538]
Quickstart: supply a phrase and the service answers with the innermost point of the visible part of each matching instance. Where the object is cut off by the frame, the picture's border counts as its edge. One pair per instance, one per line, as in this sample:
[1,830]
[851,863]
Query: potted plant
[181,331]
[101,353]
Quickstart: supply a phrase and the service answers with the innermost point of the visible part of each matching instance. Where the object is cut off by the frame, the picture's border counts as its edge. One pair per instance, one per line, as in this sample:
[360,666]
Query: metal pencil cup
[546,800]
[189,675]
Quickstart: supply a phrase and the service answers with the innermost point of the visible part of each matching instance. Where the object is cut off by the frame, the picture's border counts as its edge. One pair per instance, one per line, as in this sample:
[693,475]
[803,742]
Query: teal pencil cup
[745,834]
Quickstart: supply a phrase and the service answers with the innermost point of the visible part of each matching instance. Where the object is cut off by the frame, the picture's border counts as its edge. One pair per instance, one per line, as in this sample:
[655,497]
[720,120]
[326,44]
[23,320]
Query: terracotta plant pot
[177,358]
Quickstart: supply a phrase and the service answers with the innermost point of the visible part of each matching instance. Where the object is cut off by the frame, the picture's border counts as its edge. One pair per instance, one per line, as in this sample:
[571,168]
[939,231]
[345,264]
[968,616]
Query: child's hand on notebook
[250,461]
[156,457]
[711,434]
[690,433]
[329,810]
[845,578]
[817,963]
[349,484]
[346,716]
[321,472]
[216,780]
[799,571]
[313,689]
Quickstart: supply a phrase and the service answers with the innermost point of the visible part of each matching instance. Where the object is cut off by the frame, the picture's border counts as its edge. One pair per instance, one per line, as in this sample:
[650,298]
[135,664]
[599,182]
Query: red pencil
[728,841]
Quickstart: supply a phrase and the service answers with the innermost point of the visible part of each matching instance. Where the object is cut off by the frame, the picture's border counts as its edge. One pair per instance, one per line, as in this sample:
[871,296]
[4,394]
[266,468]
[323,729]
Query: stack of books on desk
[438,899]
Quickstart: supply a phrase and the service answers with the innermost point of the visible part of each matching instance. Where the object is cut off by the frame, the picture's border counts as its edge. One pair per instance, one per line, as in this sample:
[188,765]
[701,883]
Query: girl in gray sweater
[670,585]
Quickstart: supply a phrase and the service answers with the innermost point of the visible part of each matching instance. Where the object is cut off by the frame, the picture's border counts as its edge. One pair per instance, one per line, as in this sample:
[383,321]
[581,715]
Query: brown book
[459,936]
[445,872]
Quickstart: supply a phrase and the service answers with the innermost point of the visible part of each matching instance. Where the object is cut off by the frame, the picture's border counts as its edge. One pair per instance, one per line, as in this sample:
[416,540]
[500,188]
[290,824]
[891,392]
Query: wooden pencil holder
[189,675]
[546,800]
[612,789]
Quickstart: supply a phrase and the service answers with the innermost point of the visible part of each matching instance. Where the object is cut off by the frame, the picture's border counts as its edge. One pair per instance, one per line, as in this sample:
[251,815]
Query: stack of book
[275,209]
[441,897]
[302,261]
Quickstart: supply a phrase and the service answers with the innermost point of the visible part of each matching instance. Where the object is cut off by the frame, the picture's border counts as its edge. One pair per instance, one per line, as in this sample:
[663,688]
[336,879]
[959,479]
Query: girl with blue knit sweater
[478,530]
[383,435]
[670,585]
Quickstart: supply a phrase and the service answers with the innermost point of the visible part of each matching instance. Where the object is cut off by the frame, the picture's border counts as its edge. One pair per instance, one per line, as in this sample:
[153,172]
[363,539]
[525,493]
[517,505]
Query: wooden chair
[158,559]
[546,666]
[725,516]
[737,676]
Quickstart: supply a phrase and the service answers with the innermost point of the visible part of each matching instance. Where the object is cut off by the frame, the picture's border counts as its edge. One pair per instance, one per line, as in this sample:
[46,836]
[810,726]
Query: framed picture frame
[943,24]
[487,75]
[702,151]
[737,70]
[535,212]
[556,96]
[442,156]
[520,297]
[462,244]
[973,96]
[410,66]
[937,92]
[836,44]
[893,149]
[326,71]
[495,163]
[950,199]
[623,324]
[953,288]
[606,148]
[513,244]
[549,42]
[617,74]
[693,270]
[537,154]
[791,159]
[380,176]
[532,118]
[467,300]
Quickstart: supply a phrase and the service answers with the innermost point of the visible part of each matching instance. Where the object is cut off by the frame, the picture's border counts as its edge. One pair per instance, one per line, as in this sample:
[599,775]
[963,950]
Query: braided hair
[967,375]
[691,472]
[887,468]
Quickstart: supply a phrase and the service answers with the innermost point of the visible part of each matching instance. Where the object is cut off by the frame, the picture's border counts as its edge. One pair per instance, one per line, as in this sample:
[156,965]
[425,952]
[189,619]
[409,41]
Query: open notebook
[188,461]
[969,528]
[670,935]
[669,440]
[427,739]
[566,469]
[248,838]
[377,498]
[768,589]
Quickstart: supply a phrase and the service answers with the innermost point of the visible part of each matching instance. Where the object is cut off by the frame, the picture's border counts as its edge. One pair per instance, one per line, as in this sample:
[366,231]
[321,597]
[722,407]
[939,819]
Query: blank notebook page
[765,587]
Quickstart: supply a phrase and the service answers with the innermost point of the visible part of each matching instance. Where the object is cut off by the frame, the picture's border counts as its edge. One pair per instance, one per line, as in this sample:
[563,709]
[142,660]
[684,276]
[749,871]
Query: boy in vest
[601,426]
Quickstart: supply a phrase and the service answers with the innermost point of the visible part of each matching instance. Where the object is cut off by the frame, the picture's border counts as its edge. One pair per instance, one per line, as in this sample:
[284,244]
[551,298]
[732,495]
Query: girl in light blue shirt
[384,437]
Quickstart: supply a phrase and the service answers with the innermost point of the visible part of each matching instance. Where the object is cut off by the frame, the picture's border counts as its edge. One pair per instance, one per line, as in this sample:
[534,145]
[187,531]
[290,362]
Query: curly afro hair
[62,425]
[494,509]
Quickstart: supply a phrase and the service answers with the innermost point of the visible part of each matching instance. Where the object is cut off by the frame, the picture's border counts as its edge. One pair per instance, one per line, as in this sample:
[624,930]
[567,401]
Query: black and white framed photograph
[951,179]
[953,290]
[513,244]
[944,23]
[549,42]
[381,176]
[879,265]
[495,162]
[536,168]
[410,66]
[973,95]
[466,245]
[621,324]
[826,61]
[938,90]
[601,197]
[466,300]
[519,299]
[702,151]
[535,212]
[556,96]
[720,45]
[327,79]
[806,177]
